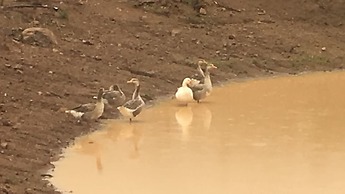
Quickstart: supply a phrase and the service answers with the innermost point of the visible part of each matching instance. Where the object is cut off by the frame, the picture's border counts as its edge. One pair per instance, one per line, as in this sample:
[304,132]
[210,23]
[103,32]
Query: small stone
[19,71]
[28,191]
[36,23]
[6,123]
[7,65]
[18,66]
[232,36]
[16,126]
[4,145]
[323,48]
[174,32]
[144,17]
[39,93]
[50,72]
[55,50]
[87,42]
[2,152]
[202,11]
[97,58]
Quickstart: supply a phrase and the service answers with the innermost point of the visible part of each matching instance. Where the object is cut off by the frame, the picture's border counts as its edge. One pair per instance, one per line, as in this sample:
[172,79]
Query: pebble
[202,11]
[232,36]
[4,145]
[323,48]
[174,32]
[6,123]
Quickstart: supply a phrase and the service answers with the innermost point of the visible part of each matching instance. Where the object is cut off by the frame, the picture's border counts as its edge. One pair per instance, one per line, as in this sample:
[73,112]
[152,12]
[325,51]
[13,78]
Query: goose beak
[213,66]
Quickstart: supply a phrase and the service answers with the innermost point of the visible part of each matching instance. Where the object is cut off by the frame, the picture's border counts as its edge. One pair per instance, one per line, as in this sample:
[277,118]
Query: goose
[114,97]
[184,93]
[201,91]
[90,111]
[133,107]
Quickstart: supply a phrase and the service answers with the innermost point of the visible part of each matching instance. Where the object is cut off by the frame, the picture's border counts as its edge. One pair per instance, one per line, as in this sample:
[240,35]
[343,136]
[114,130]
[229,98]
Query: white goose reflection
[184,117]
[196,116]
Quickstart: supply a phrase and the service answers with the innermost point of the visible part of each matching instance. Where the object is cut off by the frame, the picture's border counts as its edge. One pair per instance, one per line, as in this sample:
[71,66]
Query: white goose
[184,93]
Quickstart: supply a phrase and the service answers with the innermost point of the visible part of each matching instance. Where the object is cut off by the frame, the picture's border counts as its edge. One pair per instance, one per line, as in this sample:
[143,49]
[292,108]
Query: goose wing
[85,107]
[197,87]
[134,103]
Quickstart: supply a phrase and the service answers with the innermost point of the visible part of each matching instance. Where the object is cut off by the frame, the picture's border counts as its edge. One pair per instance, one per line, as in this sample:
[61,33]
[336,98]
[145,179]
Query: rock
[39,36]
[20,71]
[4,145]
[87,42]
[143,18]
[16,126]
[174,32]
[6,123]
[323,48]
[28,191]
[36,23]
[232,36]
[202,11]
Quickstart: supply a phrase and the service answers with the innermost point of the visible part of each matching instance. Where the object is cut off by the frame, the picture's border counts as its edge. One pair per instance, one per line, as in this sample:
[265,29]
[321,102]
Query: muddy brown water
[278,135]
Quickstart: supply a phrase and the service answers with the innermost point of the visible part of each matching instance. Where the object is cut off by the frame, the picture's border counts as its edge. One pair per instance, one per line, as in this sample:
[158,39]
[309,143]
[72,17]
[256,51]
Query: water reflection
[124,131]
[184,117]
[203,115]
[280,135]
[87,145]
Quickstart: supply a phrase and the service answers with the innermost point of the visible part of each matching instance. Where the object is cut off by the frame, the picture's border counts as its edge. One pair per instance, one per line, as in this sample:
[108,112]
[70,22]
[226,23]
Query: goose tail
[75,113]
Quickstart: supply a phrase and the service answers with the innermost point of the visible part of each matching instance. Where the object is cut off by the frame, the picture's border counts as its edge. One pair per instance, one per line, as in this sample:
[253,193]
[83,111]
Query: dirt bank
[102,42]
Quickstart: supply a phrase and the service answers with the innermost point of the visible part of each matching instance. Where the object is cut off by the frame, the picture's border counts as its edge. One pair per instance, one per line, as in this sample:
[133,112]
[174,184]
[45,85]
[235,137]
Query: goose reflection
[88,146]
[184,117]
[122,131]
[202,116]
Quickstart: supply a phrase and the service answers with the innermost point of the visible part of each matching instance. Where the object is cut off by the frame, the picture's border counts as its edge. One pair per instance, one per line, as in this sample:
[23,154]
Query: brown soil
[103,42]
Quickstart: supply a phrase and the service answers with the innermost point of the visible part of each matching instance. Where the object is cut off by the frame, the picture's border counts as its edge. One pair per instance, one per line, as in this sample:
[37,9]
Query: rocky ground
[85,45]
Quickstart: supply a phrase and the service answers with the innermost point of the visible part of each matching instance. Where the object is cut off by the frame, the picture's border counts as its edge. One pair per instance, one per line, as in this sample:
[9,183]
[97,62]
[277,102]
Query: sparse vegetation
[306,59]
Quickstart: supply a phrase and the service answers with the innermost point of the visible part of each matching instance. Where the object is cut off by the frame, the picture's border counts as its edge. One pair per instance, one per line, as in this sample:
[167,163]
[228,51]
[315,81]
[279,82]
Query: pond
[272,135]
